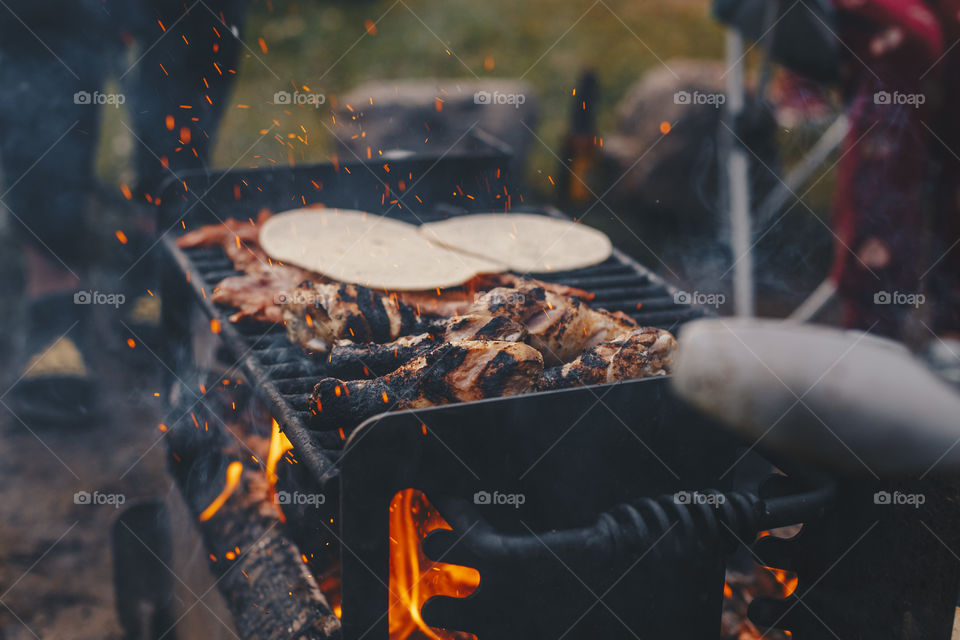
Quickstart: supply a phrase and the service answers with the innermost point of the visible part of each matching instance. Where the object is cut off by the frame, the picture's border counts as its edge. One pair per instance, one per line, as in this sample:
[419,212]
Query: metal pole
[739,183]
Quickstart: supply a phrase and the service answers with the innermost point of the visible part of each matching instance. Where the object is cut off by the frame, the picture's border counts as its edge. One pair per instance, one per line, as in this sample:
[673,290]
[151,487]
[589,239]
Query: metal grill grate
[282,373]
[285,375]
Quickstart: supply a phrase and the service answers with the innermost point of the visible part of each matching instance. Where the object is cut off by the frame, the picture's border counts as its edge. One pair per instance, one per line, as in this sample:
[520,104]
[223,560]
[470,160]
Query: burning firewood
[643,353]
[269,588]
[452,372]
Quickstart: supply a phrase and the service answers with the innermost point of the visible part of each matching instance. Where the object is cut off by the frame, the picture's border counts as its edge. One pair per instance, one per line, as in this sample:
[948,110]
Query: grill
[601,545]
[281,371]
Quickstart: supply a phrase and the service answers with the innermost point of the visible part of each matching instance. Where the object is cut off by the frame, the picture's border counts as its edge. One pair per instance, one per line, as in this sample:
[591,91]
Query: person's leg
[48,131]
[181,85]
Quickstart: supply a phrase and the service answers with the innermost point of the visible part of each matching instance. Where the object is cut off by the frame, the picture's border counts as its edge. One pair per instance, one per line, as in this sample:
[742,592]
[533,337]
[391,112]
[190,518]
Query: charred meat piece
[359,361]
[560,327]
[318,315]
[452,372]
[643,353]
[351,361]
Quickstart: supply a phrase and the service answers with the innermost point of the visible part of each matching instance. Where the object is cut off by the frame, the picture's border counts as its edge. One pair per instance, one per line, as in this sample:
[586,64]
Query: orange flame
[787,579]
[414,578]
[234,471]
[279,445]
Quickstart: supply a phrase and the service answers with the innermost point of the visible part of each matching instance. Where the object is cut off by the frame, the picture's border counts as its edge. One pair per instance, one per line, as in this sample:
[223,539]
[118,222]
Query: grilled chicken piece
[643,353]
[257,294]
[560,327]
[318,315]
[351,361]
[451,372]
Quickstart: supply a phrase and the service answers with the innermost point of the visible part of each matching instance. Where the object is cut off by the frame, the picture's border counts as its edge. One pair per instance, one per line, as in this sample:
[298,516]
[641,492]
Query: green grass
[326,47]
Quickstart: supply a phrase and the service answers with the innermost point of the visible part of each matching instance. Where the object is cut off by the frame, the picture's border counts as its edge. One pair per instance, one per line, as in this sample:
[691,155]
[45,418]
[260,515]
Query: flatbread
[366,249]
[526,243]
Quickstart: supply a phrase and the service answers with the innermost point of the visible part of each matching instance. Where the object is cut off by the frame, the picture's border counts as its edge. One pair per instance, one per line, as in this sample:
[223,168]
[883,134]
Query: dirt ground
[55,555]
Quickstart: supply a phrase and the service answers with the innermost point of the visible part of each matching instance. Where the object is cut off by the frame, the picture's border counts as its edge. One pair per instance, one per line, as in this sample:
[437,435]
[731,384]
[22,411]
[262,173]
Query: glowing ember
[414,579]
[234,471]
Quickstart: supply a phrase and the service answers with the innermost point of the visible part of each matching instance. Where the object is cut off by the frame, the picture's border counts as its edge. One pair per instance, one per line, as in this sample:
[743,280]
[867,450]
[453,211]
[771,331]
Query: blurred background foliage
[332,47]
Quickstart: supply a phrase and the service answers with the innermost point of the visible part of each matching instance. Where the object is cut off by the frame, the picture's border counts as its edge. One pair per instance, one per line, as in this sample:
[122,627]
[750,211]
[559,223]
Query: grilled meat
[643,353]
[560,327]
[257,295]
[349,361]
[318,315]
[451,372]
[239,239]
[357,361]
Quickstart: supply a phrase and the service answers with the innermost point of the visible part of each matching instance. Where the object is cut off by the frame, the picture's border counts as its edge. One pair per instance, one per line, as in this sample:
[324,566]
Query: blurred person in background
[174,63]
[899,176]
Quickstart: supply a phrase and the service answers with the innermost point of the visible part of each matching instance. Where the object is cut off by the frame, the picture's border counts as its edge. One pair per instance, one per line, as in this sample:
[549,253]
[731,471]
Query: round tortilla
[366,249]
[526,243]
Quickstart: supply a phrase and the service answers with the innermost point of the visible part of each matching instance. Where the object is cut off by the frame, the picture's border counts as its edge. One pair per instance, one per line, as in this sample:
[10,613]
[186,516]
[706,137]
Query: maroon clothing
[901,93]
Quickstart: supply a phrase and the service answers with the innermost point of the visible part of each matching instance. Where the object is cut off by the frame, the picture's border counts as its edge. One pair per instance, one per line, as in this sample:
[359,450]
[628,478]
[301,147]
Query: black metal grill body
[433,189]
[573,454]
[618,442]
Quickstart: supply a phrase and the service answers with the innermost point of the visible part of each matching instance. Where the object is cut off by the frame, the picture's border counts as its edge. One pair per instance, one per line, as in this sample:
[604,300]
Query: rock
[674,178]
[433,116]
